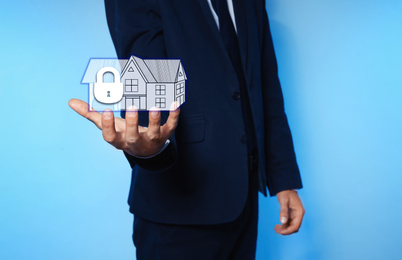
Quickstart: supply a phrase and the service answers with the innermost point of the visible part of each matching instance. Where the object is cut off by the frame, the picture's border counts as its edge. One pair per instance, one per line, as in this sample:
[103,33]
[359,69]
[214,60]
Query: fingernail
[108,114]
[132,108]
[154,112]
[174,106]
[283,220]
[131,111]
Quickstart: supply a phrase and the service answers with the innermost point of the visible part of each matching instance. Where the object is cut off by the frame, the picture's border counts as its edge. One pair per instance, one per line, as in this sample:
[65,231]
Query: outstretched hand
[291,214]
[126,134]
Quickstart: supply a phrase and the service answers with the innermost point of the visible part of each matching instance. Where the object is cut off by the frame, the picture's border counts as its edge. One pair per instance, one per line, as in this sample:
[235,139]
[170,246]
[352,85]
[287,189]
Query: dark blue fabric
[231,43]
[202,178]
[234,240]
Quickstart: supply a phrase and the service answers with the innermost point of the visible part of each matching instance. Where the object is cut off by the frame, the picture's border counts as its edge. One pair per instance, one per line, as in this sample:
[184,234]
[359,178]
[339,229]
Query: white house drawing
[147,82]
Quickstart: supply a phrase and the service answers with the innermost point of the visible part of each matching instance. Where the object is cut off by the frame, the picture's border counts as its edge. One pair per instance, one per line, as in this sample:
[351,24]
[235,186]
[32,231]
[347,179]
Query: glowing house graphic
[147,82]
[152,83]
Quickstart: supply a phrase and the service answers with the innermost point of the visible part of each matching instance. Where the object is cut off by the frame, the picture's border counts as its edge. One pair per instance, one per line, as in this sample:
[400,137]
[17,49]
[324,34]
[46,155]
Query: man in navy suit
[196,171]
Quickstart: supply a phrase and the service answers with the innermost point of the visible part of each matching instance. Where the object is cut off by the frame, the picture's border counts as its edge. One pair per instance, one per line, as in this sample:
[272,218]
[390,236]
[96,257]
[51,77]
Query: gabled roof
[144,69]
[164,70]
[95,65]
[153,70]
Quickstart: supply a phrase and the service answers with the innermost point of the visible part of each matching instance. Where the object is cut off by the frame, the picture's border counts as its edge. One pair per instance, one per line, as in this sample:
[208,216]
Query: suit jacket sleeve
[136,29]
[282,170]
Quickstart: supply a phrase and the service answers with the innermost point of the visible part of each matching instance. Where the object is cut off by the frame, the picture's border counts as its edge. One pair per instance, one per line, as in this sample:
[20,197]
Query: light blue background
[63,190]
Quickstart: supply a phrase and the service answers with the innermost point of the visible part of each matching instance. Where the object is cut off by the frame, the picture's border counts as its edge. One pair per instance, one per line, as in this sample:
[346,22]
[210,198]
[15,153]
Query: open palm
[126,134]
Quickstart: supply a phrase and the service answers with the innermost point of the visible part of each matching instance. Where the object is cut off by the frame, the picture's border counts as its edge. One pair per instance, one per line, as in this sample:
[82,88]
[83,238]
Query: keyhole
[108,94]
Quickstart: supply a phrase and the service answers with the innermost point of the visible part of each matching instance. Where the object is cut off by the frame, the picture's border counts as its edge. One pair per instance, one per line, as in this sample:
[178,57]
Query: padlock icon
[108,93]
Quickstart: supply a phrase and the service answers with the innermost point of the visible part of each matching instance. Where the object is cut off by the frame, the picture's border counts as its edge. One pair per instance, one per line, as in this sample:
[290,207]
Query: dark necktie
[231,43]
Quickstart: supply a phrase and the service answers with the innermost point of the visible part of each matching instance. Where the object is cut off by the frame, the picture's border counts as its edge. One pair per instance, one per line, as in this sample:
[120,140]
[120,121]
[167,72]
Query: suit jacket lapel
[211,22]
[240,16]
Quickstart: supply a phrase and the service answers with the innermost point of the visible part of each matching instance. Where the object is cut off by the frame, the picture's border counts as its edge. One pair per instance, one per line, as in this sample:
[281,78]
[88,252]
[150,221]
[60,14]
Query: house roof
[144,69]
[153,70]
[95,65]
[163,70]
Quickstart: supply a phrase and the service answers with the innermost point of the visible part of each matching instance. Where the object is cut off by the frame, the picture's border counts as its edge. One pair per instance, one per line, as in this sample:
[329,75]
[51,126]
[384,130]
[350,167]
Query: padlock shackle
[102,71]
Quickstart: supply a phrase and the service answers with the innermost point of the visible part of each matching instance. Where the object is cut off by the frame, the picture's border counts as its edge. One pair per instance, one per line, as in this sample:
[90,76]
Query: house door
[135,101]
[138,102]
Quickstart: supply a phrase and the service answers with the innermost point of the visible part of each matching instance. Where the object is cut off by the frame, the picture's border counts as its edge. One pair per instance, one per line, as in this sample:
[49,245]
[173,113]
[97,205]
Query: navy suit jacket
[202,176]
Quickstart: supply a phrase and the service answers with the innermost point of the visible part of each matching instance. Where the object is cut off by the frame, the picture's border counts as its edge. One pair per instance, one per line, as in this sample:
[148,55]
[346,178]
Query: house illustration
[152,83]
[147,82]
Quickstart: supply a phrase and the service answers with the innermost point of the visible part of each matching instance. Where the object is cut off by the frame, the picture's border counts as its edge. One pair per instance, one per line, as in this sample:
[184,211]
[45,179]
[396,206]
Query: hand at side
[291,214]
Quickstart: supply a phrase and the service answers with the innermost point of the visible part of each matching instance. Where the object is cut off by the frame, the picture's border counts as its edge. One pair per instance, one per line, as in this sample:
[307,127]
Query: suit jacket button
[236,95]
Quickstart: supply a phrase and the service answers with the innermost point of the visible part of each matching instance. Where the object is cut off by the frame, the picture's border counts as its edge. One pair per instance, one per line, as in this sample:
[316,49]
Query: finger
[294,225]
[283,199]
[81,108]
[132,134]
[171,123]
[284,212]
[280,229]
[283,215]
[108,129]
[154,124]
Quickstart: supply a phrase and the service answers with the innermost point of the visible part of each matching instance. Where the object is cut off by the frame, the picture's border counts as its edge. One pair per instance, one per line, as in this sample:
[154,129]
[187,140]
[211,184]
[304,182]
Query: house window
[160,90]
[131,85]
[179,88]
[160,102]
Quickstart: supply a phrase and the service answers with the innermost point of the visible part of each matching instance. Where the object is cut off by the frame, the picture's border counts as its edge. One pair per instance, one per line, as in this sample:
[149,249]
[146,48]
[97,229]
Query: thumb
[81,108]
[284,213]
